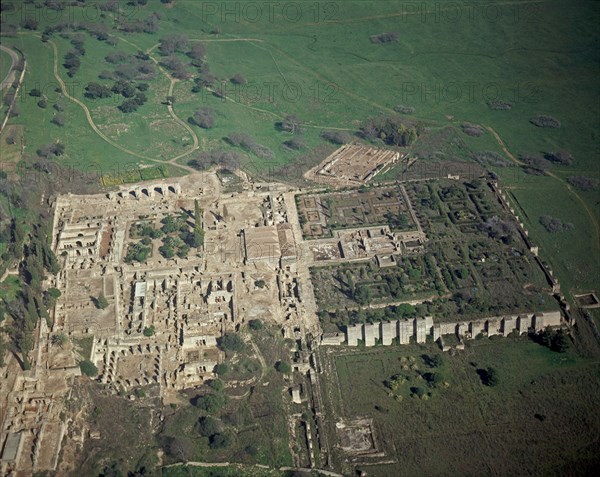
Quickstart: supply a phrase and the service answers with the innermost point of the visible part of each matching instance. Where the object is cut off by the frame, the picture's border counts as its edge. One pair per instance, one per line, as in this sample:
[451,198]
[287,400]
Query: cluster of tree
[500,229]
[213,429]
[33,252]
[396,220]
[472,130]
[137,252]
[72,61]
[149,25]
[97,30]
[210,403]
[554,224]
[196,238]
[337,137]
[295,143]
[535,165]
[53,149]
[563,158]
[544,121]
[249,144]
[170,44]
[132,104]
[226,159]
[290,123]
[97,91]
[583,183]
[555,340]
[491,159]
[389,37]
[136,67]
[391,130]
[499,105]
[176,67]
[204,118]
[205,79]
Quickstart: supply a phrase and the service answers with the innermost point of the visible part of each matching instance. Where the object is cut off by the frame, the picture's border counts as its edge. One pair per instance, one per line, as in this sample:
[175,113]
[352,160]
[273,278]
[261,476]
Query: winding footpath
[10,76]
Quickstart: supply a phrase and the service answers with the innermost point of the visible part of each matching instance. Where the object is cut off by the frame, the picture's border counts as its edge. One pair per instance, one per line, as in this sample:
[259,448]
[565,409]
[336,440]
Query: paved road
[10,76]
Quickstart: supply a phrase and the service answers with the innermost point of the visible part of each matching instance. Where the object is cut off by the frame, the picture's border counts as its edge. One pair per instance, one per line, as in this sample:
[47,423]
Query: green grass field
[534,410]
[316,61]
[5,62]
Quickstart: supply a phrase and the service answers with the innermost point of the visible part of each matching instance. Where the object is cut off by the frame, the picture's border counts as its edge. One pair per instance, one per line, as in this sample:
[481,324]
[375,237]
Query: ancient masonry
[419,329]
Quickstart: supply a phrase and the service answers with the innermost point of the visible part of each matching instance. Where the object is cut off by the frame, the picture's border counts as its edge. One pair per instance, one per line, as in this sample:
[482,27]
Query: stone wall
[418,329]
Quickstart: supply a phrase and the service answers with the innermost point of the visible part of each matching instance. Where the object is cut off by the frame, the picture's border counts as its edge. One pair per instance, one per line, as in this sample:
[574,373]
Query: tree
[219,441]
[210,403]
[291,124]
[208,426]
[260,283]
[197,51]
[239,79]
[283,367]
[255,325]
[59,340]
[216,384]
[205,118]
[197,236]
[221,369]
[231,342]
[560,342]
[58,120]
[149,331]
[101,301]
[489,376]
[88,368]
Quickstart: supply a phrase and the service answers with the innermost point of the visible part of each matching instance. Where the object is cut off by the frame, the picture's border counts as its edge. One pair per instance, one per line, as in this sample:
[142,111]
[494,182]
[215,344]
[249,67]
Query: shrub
[544,121]
[553,224]
[336,137]
[216,384]
[239,79]
[219,441]
[283,367]
[221,369]
[88,368]
[391,37]
[499,105]
[58,120]
[583,183]
[563,158]
[101,302]
[256,325]
[402,109]
[472,130]
[490,158]
[204,118]
[295,144]
[248,143]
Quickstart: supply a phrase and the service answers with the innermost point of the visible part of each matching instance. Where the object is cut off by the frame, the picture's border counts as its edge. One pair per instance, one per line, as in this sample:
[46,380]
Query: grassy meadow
[518,427]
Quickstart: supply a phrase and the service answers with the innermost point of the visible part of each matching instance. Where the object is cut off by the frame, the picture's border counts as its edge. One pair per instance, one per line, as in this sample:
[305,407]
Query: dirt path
[586,207]
[10,76]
